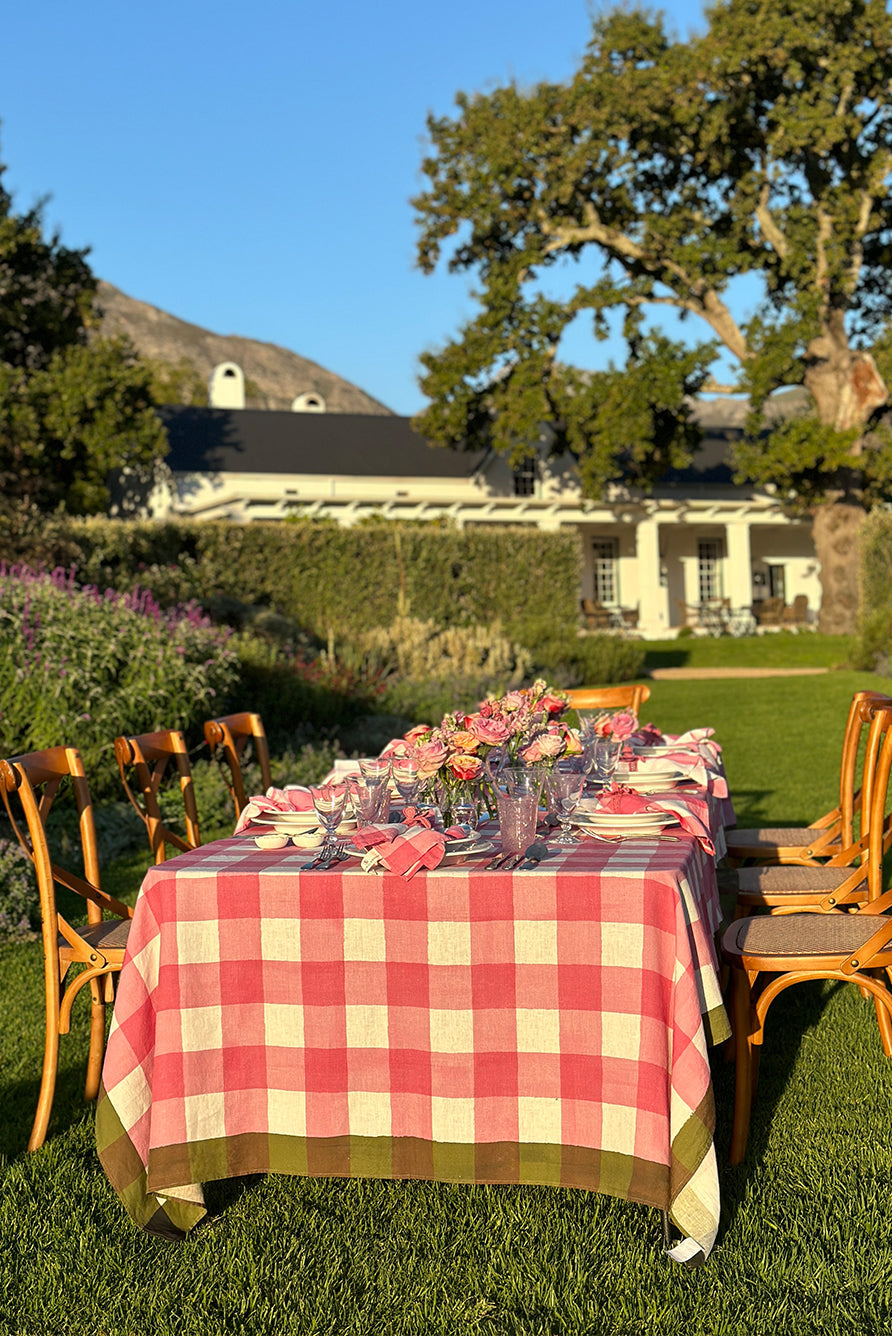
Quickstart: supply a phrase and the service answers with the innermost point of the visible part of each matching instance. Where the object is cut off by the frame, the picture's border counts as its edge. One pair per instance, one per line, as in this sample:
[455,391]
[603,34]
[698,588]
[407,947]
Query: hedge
[335,581]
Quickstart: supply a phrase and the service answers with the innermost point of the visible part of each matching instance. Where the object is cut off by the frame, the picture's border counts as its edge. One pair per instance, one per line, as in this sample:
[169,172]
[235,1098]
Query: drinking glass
[518,817]
[607,754]
[406,777]
[375,768]
[371,801]
[329,801]
[566,783]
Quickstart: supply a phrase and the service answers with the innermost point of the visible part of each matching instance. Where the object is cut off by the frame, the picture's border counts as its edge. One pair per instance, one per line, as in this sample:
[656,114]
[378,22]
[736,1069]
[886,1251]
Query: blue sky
[249,168]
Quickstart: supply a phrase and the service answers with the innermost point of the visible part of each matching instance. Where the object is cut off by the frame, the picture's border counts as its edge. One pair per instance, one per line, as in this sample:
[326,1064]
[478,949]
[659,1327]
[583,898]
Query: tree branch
[770,230]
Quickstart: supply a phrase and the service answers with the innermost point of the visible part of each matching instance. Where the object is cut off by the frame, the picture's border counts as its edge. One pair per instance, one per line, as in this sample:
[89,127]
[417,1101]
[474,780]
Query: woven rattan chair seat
[771,836]
[110,933]
[802,934]
[790,880]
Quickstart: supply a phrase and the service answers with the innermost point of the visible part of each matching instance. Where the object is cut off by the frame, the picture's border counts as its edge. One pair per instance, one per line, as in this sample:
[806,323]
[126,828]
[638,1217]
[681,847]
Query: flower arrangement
[523,726]
[619,725]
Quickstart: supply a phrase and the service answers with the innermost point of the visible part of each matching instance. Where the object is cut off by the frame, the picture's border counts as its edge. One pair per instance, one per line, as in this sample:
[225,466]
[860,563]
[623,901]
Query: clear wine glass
[329,801]
[566,784]
[406,778]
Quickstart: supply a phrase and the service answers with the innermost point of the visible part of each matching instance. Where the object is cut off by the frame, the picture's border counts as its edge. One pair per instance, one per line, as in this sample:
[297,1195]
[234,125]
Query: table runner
[528,1027]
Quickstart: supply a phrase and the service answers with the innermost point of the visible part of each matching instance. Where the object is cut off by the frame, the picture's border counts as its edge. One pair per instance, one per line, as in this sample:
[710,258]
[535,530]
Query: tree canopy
[658,175]
[73,407]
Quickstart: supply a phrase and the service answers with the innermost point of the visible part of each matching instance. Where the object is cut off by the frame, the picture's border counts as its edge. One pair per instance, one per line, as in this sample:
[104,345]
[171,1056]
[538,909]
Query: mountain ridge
[277,375]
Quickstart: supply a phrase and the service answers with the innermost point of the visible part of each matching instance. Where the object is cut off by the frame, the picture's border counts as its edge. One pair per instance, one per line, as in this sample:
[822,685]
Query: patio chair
[597,617]
[609,698]
[769,612]
[232,733]
[841,882]
[147,755]
[795,614]
[768,953]
[29,784]
[828,835]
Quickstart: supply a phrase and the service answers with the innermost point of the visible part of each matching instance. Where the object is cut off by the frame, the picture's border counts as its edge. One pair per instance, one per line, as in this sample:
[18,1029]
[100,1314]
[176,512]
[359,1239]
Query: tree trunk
[836,530]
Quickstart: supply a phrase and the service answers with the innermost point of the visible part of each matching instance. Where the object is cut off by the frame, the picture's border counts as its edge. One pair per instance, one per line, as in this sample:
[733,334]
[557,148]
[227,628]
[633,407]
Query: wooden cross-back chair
[768,953]
[29,784]
[231,734]
[609,698]
[840,882]
[830,835]
[145,757]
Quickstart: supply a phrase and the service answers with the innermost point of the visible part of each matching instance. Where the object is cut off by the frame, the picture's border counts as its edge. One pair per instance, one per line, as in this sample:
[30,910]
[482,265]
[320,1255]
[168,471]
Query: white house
[697,540]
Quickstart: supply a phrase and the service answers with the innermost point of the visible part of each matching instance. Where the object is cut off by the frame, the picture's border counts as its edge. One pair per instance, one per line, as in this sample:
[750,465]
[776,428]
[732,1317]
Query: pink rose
[623,725]
[515,700]
[553,704]
[533,752]
[491,731]
[430,757]
[572,743]
[550,745]
[465,767]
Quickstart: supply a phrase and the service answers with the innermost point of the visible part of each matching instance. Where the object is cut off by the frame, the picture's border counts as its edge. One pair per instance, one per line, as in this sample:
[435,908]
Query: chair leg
[741,1023]
[97,1038]
[47,1084]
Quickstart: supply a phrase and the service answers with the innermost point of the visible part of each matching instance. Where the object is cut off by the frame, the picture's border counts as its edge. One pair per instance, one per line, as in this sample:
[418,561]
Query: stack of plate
[614,825]
[296,823]
[659,780]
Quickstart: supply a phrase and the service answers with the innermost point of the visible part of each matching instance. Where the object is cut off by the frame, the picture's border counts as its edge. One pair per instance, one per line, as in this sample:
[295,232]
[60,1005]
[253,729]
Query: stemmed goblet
[406,777]
[566,783]
[329,801]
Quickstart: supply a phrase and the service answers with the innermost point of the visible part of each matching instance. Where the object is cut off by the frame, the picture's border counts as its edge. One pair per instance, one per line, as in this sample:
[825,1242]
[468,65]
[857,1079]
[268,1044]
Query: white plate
[623,773]
[619,819]
[612,828]
[286,818]
[663,749]
[652,783]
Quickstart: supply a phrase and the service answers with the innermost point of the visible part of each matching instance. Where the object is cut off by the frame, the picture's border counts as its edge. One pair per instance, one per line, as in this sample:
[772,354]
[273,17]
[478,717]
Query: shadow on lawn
[20,1106]
[790,1019]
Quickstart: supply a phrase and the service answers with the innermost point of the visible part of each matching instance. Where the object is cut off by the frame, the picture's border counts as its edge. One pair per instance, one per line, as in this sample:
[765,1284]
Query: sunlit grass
[806,1243]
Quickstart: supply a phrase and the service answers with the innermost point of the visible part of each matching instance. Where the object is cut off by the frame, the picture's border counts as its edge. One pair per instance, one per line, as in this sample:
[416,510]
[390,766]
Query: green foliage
[71,408]
[177,382]
[333,582]
[19,898]
[659,173]
[79,667]
[873,644]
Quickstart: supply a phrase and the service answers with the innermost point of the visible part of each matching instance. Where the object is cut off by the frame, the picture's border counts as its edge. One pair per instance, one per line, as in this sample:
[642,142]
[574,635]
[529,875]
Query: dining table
[547,1025]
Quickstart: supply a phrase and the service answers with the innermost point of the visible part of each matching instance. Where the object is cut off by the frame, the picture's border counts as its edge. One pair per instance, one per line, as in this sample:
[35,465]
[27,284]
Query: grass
[785,649]
[806,1241]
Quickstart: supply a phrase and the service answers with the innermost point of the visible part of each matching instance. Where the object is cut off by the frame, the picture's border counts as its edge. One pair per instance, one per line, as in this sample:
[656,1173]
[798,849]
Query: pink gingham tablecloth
[547,1027]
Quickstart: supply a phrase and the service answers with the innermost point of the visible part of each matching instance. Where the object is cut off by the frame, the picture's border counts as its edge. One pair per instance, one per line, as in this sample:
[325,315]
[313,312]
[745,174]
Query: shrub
[19,898]
[80,667]
[422,651]
[575,661]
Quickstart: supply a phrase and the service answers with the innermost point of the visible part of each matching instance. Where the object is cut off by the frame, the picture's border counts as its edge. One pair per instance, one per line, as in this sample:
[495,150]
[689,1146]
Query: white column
[740,575]
[653,611]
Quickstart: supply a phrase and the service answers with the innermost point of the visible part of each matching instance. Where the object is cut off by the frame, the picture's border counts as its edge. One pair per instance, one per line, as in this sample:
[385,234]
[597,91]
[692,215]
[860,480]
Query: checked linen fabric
[545,1027]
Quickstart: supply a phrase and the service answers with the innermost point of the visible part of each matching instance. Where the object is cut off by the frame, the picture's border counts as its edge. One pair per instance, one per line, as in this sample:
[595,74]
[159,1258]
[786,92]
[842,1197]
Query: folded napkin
[294,798]
[620,799]
[700,738]
[692,766]
[647,736]
[405,849]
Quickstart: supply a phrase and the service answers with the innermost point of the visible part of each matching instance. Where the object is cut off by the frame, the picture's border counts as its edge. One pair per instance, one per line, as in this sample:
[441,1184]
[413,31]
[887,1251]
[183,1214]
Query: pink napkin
[405,849]
[294,798]
[700,739]
[647,736]
[620,799]
[692,766]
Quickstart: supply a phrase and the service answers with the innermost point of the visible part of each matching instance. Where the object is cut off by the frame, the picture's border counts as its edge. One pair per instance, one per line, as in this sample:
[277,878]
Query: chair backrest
[630,697]
[875,789]
[862,708]
[29,784]
[147,755]
[231,733]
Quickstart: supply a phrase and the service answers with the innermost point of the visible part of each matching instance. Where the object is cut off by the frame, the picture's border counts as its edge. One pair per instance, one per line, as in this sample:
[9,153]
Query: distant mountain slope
[278,374]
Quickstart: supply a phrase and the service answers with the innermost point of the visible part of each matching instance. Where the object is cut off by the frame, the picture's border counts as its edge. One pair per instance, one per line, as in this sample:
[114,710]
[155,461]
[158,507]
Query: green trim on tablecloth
[716,1025]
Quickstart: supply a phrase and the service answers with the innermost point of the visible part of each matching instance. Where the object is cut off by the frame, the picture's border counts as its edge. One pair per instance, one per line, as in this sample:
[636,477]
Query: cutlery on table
[496,862]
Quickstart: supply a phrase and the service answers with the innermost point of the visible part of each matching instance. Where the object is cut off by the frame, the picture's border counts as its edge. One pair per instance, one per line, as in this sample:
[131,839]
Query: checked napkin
[294,798]
[407,847]
[620,799]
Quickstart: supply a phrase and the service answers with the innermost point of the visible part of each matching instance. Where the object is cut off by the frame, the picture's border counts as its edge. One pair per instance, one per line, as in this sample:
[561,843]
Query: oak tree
[660,174]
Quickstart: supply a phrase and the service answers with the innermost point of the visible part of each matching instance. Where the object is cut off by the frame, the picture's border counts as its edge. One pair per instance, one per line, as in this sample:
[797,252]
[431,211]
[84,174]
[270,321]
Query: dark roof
[248,440]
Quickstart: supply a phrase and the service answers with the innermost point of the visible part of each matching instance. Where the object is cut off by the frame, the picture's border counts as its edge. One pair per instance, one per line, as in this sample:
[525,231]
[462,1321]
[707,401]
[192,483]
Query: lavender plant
[80,666]
[19,900]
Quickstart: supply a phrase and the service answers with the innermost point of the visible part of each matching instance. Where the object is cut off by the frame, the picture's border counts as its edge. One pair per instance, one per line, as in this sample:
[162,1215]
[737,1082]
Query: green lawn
[806,1243]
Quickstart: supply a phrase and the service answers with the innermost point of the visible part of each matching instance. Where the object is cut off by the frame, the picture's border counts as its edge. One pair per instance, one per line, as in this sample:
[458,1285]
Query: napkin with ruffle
[699,739]
[621,799]
[293,798]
